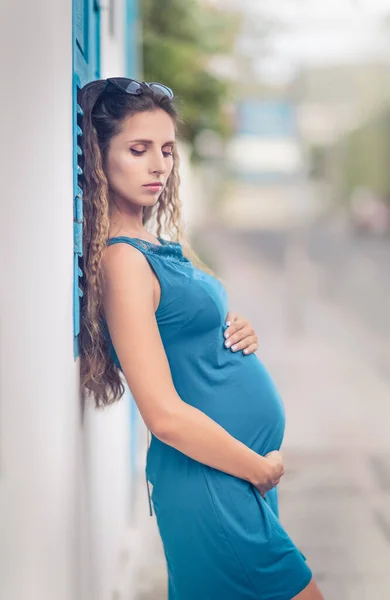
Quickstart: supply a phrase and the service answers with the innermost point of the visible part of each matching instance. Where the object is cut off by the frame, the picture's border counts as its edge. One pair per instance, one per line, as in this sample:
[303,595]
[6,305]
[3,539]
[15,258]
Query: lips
[153,185]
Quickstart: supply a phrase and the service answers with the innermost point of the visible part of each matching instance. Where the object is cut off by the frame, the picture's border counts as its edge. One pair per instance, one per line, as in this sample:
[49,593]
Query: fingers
[247,343]
[275,454]
[251,348]
[241,336]
[235,326]
[231,317]
[266,487]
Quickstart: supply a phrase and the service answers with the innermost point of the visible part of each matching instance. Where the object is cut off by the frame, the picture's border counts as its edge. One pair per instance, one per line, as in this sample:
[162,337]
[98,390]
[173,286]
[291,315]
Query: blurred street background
[292,210]
[284,148]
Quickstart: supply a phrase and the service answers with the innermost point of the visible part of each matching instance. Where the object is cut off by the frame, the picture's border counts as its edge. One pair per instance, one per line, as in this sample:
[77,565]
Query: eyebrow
[148,142]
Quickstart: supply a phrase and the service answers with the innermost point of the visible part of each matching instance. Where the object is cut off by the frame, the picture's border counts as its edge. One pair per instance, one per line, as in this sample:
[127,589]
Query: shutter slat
[78,238]
[86,67]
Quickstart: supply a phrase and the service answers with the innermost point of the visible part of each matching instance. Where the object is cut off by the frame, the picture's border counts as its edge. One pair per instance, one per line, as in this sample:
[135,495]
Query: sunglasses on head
[134,87]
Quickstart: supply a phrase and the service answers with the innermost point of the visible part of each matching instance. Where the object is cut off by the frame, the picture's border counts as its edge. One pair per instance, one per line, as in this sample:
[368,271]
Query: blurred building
[336,98]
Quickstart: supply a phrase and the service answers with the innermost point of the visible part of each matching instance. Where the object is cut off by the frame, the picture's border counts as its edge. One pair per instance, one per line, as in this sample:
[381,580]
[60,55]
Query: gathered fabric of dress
[221,538]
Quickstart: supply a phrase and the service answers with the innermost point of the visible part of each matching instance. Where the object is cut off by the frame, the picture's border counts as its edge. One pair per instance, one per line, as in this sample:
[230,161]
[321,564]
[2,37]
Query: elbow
[164,426]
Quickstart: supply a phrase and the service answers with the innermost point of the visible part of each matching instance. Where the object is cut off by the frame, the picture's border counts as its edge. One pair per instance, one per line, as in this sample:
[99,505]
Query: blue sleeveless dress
[222,540]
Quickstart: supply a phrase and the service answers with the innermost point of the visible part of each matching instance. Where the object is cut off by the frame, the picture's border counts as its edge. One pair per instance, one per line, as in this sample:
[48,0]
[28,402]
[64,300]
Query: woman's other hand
[271,476]
[240,334]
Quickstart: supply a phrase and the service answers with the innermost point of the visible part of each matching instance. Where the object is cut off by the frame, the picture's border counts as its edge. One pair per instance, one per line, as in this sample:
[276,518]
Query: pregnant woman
[154,312]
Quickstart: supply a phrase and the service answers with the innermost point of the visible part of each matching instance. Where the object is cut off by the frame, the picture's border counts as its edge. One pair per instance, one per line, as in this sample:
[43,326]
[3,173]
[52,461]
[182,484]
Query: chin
[151,202]
[144,202]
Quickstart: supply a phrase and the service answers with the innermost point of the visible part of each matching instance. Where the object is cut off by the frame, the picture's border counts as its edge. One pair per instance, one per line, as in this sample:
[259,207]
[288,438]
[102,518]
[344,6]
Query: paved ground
[331,368]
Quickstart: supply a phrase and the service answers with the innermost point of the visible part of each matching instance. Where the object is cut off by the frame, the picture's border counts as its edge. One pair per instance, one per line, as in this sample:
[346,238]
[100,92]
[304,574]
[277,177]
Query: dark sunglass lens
[133,87]
[161,89]
[126,85]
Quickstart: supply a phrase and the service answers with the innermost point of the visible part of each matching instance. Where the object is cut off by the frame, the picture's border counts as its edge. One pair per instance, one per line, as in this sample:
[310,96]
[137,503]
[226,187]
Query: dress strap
[136,242]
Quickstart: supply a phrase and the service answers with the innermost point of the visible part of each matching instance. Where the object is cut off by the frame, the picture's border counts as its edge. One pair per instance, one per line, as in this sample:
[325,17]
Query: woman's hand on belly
[271,477]
[240,334]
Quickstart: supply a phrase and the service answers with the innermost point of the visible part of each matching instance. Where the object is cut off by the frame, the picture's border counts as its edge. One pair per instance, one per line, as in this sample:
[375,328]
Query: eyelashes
[140,152]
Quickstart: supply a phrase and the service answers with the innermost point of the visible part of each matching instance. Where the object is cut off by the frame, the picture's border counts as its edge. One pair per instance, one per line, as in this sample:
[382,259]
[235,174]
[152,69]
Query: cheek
[170,167]
[131,165]
[125,169]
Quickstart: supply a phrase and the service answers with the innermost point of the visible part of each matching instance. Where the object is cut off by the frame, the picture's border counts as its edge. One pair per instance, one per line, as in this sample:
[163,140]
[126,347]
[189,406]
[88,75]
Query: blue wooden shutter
[86,67]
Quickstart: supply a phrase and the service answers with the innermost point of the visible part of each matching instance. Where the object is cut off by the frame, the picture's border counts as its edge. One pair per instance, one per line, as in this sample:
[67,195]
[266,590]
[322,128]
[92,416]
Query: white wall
[40,414]
[113,60]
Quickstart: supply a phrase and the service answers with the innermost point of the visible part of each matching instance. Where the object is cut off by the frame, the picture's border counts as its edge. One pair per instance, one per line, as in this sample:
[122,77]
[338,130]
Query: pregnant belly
[240,395]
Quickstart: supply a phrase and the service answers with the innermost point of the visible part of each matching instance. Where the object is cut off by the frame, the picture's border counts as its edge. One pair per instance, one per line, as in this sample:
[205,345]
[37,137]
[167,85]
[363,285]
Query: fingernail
[226,334]
[227,344]
[234,348]
[228,323]
[245,351]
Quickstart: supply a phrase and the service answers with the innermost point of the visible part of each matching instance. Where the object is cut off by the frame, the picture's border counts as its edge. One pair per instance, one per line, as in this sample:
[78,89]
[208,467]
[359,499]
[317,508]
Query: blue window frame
[86,67]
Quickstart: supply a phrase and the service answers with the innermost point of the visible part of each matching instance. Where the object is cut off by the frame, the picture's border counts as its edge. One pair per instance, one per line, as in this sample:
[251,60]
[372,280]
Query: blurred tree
[179,38]
[363,158]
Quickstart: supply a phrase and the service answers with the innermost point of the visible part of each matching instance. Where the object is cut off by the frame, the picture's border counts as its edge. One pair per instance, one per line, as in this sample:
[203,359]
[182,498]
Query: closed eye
[166,153]
[137,152]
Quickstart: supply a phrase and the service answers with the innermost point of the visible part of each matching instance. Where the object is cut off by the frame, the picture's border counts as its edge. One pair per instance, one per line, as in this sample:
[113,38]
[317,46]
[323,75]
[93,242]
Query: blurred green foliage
[179,37]
[364,157]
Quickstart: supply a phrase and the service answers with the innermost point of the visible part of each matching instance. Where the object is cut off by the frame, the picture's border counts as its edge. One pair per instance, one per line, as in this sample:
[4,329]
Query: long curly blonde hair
[103,115]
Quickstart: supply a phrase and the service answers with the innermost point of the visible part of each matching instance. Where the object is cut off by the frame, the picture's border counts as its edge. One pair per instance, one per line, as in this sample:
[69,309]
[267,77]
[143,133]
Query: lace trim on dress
[166,248]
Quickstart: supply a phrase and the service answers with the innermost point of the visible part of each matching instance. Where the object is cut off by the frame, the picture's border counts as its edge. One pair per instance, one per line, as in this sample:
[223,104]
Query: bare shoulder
[117,259]
[124,269]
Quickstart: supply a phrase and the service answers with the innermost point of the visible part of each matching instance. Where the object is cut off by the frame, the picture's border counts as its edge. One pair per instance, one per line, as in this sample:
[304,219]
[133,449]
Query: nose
[158,163]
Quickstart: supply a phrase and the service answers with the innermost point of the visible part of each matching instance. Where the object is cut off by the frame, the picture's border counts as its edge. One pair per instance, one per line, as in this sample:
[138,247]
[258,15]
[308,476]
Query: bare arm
[130,315]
